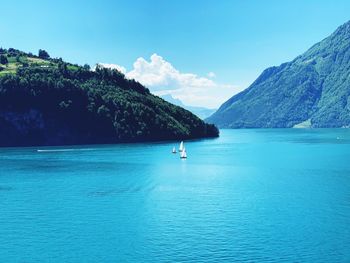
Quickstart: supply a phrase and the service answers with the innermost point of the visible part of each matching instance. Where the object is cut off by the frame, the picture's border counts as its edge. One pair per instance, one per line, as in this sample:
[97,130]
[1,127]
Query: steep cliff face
[314,87]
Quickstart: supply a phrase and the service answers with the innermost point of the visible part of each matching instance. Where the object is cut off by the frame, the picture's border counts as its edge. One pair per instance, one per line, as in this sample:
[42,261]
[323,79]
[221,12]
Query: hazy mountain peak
[201,112]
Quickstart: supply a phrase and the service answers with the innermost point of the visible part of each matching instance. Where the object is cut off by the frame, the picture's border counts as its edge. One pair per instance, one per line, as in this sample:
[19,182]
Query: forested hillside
[45,101]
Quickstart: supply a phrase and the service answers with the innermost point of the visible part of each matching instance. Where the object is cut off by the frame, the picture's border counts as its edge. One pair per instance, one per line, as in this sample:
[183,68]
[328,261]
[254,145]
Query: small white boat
[183,154]
[181,146]
[174,150]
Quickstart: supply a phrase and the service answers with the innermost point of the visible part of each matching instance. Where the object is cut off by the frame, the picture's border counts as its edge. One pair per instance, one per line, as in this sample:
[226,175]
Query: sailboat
[183,154]
[181,146]
[174,150]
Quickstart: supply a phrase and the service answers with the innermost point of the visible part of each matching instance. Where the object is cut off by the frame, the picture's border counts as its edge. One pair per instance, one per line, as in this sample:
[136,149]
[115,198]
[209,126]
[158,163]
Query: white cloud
[161,77]
[211,75]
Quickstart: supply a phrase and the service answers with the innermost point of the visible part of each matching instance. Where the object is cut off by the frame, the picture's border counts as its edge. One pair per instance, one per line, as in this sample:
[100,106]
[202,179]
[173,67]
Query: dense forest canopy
[45,100]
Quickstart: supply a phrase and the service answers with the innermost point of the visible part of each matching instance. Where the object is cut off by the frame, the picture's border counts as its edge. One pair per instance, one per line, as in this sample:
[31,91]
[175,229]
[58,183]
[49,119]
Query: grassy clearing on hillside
[15,62]
[9,68]
[72,67]
[38,61]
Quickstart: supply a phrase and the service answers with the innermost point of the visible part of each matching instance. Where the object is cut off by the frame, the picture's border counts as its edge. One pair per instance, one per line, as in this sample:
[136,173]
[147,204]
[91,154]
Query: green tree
[3,59]
[103,111]
[62,67]
[43,54]
[86,67]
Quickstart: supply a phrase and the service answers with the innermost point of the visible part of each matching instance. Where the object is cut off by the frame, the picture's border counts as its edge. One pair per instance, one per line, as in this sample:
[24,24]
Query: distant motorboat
[174,150]
[183,154]
[181,146]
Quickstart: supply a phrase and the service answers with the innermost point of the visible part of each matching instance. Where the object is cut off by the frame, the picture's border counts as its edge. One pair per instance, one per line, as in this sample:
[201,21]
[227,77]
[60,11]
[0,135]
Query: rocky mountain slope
[313,90]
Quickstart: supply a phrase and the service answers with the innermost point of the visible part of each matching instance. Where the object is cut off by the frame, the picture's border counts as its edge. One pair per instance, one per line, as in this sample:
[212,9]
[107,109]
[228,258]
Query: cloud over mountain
[161,77]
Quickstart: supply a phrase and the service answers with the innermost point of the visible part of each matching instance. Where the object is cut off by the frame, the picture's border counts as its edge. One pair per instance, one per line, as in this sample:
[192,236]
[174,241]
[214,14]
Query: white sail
[183,154]
[181,146]
[174,150]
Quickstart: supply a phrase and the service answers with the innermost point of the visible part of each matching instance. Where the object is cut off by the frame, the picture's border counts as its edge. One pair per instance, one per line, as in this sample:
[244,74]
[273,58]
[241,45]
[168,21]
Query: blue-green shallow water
[248,196]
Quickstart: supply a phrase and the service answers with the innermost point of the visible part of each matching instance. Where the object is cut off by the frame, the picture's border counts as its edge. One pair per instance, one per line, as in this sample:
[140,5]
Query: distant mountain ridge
[313,90]
[201,112]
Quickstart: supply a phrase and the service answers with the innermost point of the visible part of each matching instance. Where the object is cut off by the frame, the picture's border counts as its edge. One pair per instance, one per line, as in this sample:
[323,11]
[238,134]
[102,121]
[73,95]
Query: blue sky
[235,40]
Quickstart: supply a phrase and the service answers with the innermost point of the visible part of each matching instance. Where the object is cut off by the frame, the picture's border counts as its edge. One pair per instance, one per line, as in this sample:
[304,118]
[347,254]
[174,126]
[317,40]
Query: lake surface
[279,195]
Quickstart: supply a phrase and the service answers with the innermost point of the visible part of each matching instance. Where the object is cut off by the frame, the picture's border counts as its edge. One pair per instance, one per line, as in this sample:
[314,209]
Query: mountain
[45,101]
[201,112]
[313,90]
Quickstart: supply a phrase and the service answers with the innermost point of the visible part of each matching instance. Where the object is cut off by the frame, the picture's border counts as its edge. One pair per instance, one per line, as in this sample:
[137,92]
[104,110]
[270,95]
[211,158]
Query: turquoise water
[248,196]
